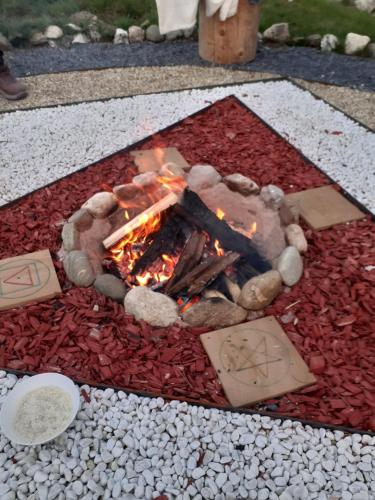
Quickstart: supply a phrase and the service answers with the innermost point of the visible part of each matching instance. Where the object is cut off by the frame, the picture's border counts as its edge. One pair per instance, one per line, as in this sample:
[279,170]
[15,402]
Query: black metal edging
[246,411]
[193,402]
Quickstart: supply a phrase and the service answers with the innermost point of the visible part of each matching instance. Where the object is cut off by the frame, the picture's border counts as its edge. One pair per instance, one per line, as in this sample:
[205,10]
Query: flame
[184,307]
[220,214]
[159,155]
[218,248]
[132,246]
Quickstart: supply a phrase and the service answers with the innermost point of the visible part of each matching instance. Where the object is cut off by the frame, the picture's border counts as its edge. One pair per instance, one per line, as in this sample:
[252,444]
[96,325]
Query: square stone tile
[256,361]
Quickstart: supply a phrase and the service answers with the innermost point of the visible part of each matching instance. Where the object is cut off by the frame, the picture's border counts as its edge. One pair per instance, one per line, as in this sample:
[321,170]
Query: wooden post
[231,41]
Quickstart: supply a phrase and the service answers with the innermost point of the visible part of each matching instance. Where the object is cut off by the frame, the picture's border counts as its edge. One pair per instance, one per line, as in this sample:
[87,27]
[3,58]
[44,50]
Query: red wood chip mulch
[90,338]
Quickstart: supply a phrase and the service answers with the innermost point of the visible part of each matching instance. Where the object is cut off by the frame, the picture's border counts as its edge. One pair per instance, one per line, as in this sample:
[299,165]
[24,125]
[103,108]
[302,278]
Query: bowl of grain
[39,409]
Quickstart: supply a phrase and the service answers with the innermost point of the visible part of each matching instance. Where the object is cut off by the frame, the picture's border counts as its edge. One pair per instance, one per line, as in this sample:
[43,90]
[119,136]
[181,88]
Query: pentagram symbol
[22,278]
[255,357]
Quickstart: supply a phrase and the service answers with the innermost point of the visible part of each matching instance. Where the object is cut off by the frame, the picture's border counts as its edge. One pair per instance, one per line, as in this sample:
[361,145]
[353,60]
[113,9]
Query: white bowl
[12,401]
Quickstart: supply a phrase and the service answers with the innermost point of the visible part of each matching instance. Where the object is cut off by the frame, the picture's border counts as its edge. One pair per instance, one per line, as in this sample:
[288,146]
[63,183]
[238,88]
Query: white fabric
[182,14]
[228,8]
[176,14]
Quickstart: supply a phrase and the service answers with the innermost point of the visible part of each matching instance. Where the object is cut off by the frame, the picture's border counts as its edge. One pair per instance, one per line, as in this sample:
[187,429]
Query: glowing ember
[220,214]
[218,248]
[184,307]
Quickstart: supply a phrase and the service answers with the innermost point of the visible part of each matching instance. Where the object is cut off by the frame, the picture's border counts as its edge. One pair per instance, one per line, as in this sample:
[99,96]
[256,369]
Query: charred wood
[192,208]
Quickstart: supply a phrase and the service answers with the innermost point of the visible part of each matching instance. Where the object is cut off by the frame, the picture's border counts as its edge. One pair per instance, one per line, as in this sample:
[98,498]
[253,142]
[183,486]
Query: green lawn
[317,16]
[18,18]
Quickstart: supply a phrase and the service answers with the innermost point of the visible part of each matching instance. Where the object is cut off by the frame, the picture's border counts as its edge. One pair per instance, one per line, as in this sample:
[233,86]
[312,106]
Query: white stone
[296,237]
[329,43]
[278,32]
[355,44]
[100,204]
[202,177]
[38,38]
[290,266]
[81,38]
[155,308]
[53,32]
[121,36]
[221,479]
[40,476]
[365,5]
[197,473]
[136,34]
[273,196]
[241,184]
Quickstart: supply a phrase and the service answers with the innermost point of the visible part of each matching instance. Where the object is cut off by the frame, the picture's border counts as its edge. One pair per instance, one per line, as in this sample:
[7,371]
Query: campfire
[186,245]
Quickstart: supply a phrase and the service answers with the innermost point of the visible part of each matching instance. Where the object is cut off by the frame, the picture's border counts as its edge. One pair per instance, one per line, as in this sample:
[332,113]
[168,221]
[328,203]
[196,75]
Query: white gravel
[124,446]
[39,146]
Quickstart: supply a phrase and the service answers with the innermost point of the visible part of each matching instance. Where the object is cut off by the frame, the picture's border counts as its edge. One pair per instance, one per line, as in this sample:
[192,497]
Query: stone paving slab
[298,62]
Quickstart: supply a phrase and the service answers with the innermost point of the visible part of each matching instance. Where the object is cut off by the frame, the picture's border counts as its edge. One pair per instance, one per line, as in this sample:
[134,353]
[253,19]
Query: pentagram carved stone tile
[27,278]
[324,207]
[256,361]
[149,160]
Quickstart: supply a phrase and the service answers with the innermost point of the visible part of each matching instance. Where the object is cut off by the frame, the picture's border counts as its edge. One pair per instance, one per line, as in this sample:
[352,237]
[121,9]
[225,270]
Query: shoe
[10,88]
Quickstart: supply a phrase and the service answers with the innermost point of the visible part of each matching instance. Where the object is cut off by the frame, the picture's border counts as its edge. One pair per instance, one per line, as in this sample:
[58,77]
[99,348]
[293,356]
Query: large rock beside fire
[202,177]
[82,219]
[242,184]
[242,211]
[260,291]
[154,308]
[78,268]
[110,286]
[101,204]
[70,237]
[290,266]
[214,313]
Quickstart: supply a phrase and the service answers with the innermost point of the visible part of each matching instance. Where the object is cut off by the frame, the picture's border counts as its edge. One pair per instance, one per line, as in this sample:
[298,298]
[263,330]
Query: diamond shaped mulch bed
[329,315]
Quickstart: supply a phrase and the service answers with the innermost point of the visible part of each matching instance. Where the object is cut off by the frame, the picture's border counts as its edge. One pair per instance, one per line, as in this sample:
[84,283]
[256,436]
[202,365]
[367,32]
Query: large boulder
[355,44]
[277,33]
[155,308]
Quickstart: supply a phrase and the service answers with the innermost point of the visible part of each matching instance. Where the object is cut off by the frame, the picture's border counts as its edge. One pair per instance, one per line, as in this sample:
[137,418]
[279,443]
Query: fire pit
[186,246]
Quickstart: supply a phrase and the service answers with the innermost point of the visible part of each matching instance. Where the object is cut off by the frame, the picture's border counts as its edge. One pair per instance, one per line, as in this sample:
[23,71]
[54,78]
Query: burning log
[165,241]
[192,208]
[155,209]
[189,258]
[203,274]
[211,273]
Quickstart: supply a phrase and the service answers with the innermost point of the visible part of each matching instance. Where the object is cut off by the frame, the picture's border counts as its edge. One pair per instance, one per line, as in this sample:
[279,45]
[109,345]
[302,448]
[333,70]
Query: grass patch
[18,18]
[306,17]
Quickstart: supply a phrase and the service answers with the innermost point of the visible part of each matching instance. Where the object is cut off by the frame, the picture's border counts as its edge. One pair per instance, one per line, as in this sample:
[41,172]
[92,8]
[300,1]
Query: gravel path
[299,62]
[57,141]
[123,446]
